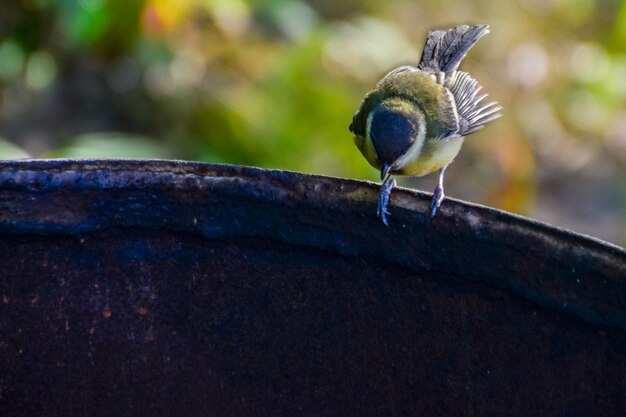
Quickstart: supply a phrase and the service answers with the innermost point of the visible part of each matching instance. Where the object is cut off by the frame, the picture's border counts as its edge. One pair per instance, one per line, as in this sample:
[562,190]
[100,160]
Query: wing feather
[473,114]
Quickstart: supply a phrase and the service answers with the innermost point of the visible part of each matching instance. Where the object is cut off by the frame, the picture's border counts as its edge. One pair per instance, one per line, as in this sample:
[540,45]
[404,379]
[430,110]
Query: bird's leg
[438,195]
[383,200]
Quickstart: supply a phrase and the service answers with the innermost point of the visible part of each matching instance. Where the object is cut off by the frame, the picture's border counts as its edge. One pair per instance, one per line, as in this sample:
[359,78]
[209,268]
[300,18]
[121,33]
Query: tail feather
[444,50]
[431,49]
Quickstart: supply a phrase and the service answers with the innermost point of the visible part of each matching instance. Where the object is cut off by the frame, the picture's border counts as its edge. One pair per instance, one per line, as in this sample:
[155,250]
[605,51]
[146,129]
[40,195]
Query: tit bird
[414,121]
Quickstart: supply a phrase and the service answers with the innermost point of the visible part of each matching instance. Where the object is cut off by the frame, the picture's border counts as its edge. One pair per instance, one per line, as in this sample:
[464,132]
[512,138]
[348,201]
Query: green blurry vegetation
[274,83]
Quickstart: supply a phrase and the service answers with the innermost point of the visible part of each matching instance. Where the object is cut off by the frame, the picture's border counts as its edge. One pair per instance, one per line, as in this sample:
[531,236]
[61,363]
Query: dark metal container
[164,288]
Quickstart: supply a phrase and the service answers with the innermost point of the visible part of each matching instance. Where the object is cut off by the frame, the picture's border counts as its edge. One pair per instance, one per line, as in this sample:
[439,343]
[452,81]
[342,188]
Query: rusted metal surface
[174,288]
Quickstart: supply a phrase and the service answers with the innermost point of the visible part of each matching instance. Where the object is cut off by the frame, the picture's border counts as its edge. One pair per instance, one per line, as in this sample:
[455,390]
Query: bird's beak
[384,171]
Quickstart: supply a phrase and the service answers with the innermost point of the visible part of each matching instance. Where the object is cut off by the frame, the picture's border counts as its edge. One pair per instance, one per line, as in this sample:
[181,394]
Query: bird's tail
[444,50]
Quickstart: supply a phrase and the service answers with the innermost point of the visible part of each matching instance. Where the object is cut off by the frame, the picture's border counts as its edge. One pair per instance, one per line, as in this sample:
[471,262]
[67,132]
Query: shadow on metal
[187,289]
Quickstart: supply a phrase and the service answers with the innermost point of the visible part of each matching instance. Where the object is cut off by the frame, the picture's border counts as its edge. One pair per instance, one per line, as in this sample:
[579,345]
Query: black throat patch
[392,134]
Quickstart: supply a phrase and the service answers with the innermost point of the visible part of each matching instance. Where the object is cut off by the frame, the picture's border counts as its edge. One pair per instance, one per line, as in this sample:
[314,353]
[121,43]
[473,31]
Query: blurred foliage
[274,83]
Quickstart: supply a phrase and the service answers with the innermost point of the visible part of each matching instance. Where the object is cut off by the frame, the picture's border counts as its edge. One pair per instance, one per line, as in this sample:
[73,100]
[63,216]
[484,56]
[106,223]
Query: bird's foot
[383,199]
[435,203]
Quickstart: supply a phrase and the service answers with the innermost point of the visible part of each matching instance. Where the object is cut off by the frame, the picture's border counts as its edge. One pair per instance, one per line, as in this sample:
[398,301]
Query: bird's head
[395,128]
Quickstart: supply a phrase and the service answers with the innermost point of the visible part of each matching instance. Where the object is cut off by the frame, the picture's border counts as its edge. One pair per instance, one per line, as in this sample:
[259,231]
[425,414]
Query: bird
[414,121]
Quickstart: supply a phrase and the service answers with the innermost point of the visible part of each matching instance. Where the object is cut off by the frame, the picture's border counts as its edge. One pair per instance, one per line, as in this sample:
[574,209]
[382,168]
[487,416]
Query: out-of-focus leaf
[110,145]
[11,151]
[11,60]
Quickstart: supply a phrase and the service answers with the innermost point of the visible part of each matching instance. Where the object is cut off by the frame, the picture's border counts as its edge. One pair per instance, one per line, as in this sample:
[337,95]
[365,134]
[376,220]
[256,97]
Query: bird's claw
[383,213]
[435,203]
[383,199]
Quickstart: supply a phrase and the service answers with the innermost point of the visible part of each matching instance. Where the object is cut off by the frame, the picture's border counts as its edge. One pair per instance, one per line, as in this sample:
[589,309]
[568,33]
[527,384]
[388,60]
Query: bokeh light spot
[41,70]
[528,65]
[589,62]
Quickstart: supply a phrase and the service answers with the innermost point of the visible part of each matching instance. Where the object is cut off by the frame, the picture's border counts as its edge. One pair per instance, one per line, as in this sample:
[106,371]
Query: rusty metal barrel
[187,289]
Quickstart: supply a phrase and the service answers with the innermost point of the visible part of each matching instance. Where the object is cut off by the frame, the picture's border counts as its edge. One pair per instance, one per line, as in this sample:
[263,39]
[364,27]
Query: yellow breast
[435,154]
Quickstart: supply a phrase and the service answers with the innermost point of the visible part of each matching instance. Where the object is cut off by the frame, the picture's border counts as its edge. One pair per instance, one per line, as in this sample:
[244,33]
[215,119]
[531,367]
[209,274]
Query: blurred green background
[274,83]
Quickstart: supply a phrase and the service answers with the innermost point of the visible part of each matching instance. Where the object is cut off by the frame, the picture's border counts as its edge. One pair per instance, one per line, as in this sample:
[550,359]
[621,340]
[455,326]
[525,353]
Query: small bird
[414,121]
